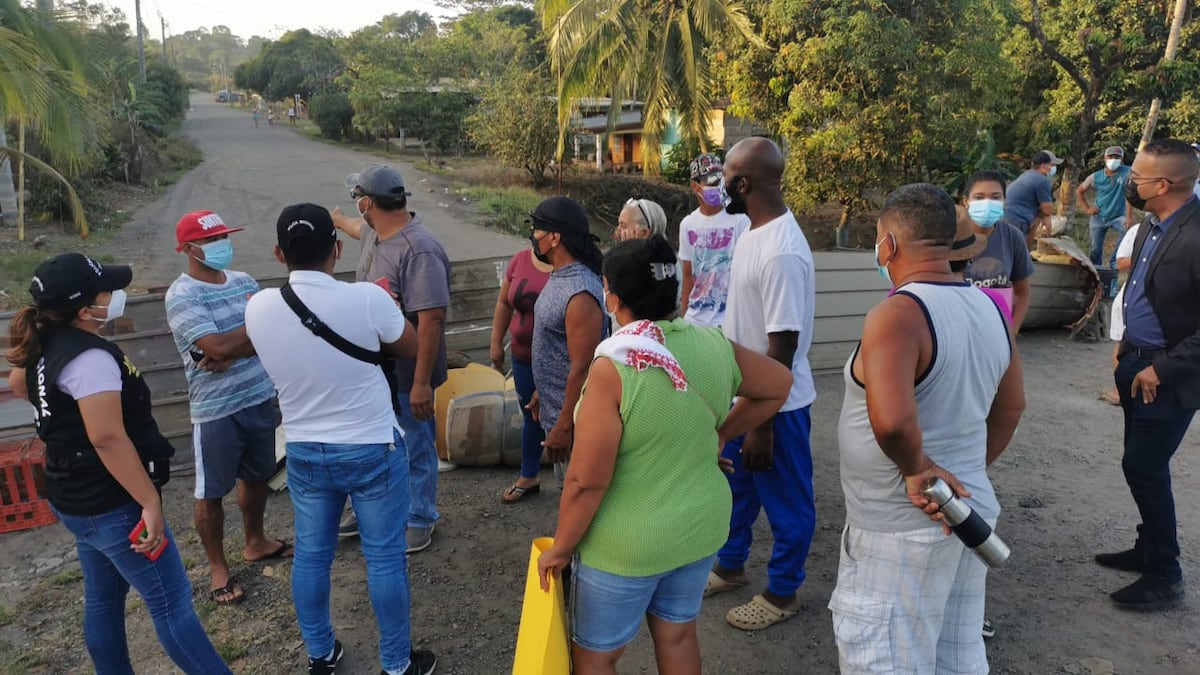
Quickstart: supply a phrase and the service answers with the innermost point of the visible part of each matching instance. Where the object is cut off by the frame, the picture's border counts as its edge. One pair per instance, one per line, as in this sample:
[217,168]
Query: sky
[268,18]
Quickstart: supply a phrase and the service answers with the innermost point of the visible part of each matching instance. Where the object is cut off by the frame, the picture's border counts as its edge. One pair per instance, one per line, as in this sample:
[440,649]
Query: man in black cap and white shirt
[343,439]
[1030,198]
[399,250]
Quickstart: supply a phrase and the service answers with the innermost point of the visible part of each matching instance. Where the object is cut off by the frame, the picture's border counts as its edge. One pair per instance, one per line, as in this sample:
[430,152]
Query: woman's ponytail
[26,332]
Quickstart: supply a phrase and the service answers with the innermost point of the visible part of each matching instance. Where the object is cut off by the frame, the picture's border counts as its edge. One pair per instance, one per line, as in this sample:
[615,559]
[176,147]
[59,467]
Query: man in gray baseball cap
[397,249]
[1110,211]
[378,180]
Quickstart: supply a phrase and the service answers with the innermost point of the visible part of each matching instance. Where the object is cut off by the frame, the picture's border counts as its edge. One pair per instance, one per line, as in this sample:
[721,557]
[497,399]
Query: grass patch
[6,615]
[205,606]
[229,650]
[66,577]
[182,154]
[505,209]
[17,269]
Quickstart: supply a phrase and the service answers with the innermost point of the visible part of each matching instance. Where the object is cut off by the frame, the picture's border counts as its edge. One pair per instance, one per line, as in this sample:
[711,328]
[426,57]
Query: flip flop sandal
[1110,397]
[520,493]
[231,589]
[757,615]
[282,552]
[716,584]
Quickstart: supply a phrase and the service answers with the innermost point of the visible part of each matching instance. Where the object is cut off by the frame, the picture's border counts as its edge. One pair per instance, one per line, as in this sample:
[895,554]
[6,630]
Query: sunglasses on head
[638,204]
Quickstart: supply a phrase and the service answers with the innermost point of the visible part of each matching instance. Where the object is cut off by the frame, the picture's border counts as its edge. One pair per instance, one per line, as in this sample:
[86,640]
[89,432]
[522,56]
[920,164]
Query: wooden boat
[1066,287]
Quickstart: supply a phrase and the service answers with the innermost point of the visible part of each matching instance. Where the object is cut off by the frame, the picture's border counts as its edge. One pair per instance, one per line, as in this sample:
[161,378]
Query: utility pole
[141,38]
[164,36]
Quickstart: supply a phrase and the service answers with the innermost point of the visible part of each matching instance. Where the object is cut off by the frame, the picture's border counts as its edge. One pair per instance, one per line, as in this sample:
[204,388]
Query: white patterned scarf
[642,345]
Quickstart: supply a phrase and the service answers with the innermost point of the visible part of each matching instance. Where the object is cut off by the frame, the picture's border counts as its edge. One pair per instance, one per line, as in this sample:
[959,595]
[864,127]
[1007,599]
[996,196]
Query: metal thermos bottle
[970,527]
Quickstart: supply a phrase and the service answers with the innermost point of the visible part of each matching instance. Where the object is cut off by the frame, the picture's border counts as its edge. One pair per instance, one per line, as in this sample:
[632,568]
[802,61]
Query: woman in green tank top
[645,507]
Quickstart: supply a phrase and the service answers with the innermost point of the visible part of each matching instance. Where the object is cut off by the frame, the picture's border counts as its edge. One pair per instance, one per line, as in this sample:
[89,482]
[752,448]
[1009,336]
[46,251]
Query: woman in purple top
[523,281]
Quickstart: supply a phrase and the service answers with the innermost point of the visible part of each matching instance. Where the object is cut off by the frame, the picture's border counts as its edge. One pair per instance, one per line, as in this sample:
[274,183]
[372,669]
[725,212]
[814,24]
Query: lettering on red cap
[210,221]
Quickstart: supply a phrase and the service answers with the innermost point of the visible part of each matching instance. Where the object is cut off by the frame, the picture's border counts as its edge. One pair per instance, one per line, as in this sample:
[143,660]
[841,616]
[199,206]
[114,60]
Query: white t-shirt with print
[325,395]
[707,242]
[772,289]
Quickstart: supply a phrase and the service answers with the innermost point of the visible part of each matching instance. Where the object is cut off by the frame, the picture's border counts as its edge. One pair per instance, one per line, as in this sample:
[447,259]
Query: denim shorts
[607,609]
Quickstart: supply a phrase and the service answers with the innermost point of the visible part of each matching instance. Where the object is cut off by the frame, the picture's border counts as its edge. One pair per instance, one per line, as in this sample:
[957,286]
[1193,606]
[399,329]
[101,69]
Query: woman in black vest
[105,461]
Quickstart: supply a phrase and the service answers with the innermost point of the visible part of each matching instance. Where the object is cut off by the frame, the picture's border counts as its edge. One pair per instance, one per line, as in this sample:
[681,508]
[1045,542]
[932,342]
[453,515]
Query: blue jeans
[1099,227]
[607,609]
[110,567]
[422,465]
[532,434]
[1153,433]
[785,492]
[375,478]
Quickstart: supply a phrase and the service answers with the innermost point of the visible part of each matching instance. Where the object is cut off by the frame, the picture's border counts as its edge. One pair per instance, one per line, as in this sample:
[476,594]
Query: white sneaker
[444,466]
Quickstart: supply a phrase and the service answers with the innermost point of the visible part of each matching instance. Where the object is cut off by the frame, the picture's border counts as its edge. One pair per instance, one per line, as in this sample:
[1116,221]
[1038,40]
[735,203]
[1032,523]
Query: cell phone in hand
[196,356]
[139,534]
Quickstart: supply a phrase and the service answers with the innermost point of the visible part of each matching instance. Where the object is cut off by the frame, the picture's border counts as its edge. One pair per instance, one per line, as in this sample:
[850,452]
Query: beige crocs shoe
[716,584]
[757,615]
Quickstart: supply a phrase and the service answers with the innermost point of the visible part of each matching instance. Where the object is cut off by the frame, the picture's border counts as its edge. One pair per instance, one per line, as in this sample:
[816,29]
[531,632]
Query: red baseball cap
[200,225]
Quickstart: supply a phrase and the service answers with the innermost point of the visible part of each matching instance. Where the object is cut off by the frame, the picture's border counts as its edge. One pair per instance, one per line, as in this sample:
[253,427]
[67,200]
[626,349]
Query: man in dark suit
[1158,371]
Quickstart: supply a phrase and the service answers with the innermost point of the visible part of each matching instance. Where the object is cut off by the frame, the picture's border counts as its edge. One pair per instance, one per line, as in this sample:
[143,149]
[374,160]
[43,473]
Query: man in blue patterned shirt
[230,395]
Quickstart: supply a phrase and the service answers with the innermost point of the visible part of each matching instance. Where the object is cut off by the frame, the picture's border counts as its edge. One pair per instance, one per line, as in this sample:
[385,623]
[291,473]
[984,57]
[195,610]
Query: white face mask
[1112,164]
[115,307]
[612,316]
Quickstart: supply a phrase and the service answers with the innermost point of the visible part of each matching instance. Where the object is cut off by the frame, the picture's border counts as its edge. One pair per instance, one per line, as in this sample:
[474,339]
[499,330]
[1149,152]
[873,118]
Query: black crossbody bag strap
[318,328]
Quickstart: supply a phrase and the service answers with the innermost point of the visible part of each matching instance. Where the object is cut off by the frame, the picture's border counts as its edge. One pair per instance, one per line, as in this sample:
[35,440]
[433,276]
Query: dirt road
[250,173]
[1060,485]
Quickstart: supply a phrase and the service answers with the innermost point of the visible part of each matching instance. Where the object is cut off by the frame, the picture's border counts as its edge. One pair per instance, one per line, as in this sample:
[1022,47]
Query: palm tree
[44,88]
[653,50]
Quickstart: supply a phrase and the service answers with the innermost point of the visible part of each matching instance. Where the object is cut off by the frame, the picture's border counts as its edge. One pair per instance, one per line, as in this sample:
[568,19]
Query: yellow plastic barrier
[542,646]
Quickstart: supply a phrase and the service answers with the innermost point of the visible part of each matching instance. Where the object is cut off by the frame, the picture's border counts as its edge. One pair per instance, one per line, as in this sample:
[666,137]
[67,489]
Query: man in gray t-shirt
[397,249]
[1030,198]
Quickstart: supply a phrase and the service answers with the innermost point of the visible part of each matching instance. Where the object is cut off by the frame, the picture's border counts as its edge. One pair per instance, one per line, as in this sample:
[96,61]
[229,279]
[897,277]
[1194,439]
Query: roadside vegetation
[78,117]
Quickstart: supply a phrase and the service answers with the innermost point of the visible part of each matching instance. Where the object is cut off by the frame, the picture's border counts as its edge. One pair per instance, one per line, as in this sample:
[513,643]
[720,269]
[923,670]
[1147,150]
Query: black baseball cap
[73,279]
[310,222]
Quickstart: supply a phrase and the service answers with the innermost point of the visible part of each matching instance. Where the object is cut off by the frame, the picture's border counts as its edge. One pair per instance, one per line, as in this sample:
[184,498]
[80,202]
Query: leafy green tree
[300,62]
[333,114]
[437,118]
[481,46]
[869,94]
[656,52]
[517,123]
[43,86]
[1108,58]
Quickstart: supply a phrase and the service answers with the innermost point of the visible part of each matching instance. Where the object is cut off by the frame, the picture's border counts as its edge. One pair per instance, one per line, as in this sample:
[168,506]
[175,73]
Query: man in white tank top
[934,390]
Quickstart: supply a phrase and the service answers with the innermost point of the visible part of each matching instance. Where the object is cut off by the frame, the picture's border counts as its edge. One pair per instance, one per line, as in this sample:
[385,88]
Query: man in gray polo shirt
[399,250]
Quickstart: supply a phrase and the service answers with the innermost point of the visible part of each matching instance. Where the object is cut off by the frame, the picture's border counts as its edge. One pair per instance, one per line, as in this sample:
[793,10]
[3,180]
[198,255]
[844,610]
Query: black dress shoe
[1149,593]
[1132,560]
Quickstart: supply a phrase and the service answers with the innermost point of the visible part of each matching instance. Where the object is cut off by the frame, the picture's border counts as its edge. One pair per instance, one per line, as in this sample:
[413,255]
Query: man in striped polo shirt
[230,395]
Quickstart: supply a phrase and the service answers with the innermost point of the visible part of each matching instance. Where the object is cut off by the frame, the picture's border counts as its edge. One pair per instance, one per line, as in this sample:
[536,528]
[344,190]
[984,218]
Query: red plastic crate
[22,465]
